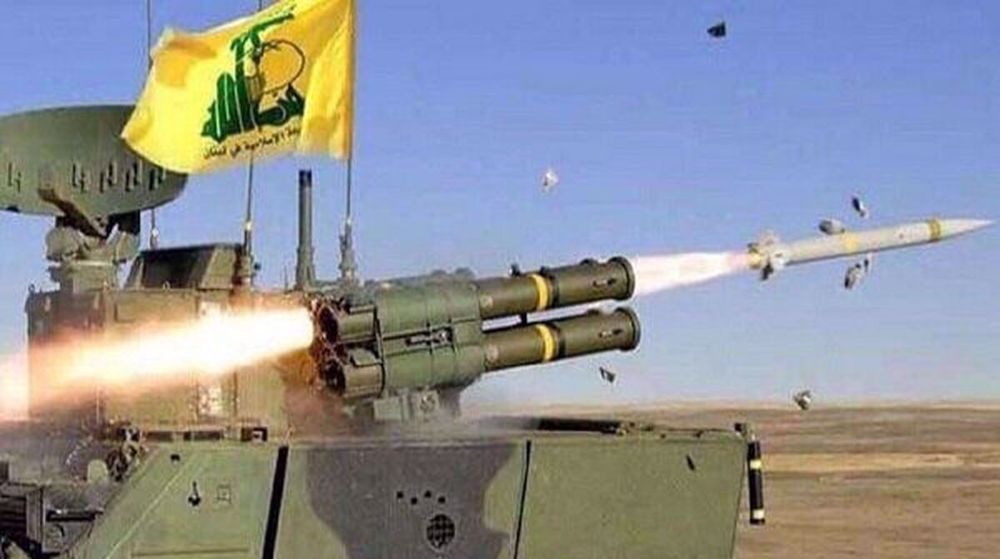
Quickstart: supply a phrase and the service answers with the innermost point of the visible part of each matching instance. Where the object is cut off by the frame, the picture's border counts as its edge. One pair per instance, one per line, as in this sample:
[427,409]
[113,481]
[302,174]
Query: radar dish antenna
[71,164]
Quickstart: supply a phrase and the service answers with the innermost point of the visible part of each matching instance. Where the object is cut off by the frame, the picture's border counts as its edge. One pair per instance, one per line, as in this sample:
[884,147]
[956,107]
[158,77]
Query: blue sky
[666,141]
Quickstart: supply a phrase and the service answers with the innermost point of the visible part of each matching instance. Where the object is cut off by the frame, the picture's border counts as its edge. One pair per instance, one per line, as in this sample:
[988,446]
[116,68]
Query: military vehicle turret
[349,447]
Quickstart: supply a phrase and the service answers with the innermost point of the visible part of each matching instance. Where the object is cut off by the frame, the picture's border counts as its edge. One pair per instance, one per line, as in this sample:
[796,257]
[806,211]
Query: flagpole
[247,271]
[154,232]
[350,174]
[348,263]
[248,215]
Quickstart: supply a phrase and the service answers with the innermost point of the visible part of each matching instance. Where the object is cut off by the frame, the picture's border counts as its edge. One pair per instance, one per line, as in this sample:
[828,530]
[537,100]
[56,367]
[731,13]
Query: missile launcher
[435,334]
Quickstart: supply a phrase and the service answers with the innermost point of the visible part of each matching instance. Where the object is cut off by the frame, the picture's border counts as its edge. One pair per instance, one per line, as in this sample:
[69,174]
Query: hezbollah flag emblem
[281,80]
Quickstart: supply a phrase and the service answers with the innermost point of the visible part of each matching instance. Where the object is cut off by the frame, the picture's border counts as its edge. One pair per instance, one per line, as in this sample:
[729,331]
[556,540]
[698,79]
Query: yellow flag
[278,81]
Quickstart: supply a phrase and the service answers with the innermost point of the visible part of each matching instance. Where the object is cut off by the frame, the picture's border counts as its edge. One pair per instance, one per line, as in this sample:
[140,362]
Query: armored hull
[554,488]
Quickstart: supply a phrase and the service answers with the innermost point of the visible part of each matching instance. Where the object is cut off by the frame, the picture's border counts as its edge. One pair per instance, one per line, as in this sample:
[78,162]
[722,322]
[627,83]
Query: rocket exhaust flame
[211,346]
[161,355]
[669,271]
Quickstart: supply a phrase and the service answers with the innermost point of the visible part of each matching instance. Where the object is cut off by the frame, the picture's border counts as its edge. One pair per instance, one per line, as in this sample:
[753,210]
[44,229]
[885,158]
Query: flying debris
[803,399]
[608,375]
[549,179]
[769,255]
[832,227]
[854,275]
[858,271]
[859,206]
[868,262]
[718,31]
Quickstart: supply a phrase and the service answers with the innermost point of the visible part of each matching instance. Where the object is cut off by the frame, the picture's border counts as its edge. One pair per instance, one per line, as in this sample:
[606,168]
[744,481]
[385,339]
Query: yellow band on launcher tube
[542,288]
[548,342]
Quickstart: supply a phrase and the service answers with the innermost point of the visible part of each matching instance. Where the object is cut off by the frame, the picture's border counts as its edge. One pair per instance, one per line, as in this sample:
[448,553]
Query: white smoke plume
[669,271]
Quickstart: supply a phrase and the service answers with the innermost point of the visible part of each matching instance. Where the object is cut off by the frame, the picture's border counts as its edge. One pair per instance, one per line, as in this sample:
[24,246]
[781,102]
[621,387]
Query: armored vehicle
[349,448]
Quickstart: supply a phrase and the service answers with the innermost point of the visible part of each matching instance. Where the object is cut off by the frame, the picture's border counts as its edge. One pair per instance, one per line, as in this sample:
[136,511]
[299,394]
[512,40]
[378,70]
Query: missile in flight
[770,255]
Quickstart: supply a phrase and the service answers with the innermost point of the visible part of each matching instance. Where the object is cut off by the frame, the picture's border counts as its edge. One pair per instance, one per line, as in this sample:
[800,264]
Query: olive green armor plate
[649,493]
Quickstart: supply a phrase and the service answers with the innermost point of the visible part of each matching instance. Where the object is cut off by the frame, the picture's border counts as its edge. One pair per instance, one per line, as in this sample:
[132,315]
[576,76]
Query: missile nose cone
[954,227]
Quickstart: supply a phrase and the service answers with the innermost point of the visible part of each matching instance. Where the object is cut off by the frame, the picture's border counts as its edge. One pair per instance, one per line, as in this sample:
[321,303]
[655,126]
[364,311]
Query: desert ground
[887,481]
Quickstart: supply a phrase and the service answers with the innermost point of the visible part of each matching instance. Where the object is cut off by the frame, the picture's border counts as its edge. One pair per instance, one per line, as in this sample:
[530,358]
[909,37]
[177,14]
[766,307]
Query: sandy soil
[876,481]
